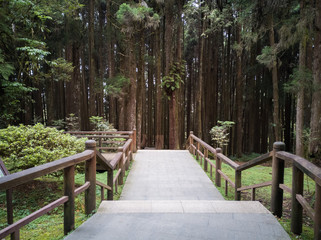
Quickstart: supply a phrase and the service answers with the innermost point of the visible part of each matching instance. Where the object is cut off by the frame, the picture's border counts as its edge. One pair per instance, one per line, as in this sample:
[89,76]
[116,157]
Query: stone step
[181,206]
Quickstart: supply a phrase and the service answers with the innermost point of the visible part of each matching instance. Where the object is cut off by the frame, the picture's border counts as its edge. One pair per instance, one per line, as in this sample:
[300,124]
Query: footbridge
[170,194]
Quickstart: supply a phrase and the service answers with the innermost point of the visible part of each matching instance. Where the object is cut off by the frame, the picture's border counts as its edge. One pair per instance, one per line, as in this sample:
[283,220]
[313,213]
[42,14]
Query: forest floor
[31,196]
[263,173]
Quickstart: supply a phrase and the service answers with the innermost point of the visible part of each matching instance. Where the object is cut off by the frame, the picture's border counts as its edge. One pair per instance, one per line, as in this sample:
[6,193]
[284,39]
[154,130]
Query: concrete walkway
[168,196]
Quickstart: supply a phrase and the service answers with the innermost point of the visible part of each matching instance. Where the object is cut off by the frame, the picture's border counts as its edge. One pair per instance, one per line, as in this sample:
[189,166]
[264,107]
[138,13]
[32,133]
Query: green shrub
[24,147]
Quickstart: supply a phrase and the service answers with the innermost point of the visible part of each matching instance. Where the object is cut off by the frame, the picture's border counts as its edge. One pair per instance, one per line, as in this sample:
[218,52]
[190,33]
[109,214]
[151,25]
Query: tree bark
[92,95]
[315,124]
[239,97]
[276,108]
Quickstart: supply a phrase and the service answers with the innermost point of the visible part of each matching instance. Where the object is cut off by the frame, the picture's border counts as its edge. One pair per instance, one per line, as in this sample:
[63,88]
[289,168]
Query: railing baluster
[205,159]
[90,176]
[297,188]
[69,206]
[317,210]
[218,167]
[238,184]
[277,179]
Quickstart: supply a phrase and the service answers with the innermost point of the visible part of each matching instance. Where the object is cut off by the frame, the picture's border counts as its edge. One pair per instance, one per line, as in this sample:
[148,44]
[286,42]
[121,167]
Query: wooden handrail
[256,161]
[18,178]
[100,132]
[304,165]
[68,165]
[228,161]
[278,156]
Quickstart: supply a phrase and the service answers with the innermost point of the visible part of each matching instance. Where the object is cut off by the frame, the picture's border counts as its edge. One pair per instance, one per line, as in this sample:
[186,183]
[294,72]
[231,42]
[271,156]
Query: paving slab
[168,175]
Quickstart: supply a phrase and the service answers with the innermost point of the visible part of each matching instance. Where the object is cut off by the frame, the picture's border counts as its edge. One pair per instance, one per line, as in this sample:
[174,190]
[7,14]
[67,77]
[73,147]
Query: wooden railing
[106,138]
[68,200]
[300,165]
[115,169]
[119,163]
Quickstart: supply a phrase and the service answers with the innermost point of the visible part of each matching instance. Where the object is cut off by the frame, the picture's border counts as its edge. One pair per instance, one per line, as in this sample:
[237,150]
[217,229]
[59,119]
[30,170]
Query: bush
[28,146]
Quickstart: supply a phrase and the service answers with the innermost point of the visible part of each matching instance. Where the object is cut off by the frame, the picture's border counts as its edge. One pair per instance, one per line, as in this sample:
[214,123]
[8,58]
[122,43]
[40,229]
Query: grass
[263,173]
[32,196]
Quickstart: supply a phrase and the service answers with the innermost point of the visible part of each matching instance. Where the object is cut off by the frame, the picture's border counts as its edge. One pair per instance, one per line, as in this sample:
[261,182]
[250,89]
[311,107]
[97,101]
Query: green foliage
[267,57]
[300,78]
[115,85]
[24,147]
[100,124]
[172,82]
[220,133]
[11,95]
[132,16]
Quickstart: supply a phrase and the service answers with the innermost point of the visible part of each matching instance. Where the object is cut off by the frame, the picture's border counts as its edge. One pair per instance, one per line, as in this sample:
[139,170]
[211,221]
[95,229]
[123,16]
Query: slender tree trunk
[84,117]
[299,148]
[159,140]
[276,108]
[131,100]
[140,89]
[315,138]
[239,97]
[92,95]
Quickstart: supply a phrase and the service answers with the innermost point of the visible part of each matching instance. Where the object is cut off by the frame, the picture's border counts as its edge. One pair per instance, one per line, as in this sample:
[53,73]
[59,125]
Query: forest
[167,68]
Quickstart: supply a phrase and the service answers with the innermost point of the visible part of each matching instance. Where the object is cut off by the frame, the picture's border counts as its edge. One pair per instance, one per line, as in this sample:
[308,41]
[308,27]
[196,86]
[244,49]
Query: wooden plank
[256,161]
[304,165]
[116,160]
[103,185]
[285,188]
[102,160]
[204,144]
[226,178]
[306,206]
[200,153]
[259,185]
[82,188]
[127,144]
[24,221]
[116,176]
[27,175]
[102,136]
[100,132]
[228,161]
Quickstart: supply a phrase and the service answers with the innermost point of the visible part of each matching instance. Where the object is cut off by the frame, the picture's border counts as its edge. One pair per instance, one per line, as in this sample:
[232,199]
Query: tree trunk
[315,143]
[159,139]
[92,95]
[276,108]
[239,97]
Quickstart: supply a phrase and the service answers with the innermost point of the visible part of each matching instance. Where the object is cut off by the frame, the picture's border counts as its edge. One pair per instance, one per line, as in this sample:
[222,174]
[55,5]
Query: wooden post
[134,140]
[226,187]
[102,194]
[90,176]
[198,148]
[317,210]
[277,179]
[238,184]
[191,142]
[253,194]
[205,159]
[297,188]
[69,206]
[132,145]
[121,166]
[110,183]
[126,155]
[218,167]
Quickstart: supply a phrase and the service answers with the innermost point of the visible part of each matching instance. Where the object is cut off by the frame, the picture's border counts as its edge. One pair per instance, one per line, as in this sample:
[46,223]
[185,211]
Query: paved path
[168,175]
[168,196]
